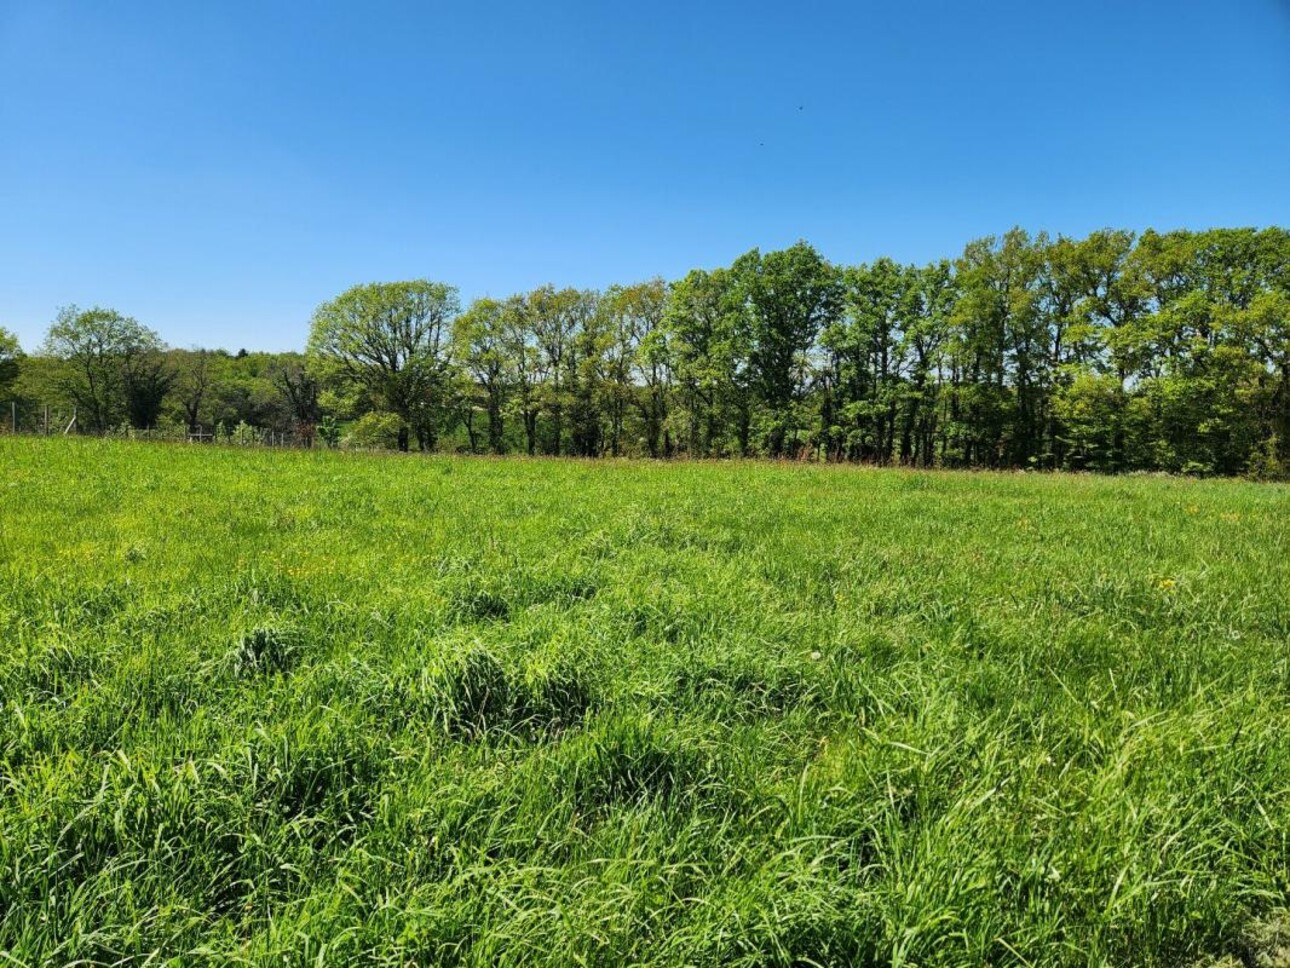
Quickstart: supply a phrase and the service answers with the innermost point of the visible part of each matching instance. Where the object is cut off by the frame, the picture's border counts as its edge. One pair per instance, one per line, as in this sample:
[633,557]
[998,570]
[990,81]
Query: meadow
[324,708]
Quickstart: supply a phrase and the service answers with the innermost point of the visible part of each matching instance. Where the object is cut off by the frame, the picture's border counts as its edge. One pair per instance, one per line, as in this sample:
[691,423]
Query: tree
[590,387]
[390,341]
[192,380]
[644,370]
[242,390]
[555,317]
[479,335]
[1003,349]
[1266,325]
[792,294]
[523,365]
[869,350]
[107,365]
[300,390]
[924,338]
[10,362]
[148,379]
[710,330]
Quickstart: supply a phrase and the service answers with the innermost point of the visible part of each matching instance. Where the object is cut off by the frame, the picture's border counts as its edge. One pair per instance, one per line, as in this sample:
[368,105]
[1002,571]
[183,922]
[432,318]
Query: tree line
[1116,352]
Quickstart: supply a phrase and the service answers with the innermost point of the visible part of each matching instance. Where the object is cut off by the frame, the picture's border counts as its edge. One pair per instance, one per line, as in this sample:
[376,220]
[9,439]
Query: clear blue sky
[218,169]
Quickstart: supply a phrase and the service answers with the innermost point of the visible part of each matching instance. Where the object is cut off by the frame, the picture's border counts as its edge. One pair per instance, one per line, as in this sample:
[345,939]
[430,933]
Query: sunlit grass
[260,706]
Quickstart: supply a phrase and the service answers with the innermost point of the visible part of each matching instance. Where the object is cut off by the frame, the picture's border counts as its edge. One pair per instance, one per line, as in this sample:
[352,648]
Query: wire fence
[49,420]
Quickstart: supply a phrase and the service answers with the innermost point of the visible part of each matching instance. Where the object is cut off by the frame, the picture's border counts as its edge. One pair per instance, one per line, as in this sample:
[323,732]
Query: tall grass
[324,708]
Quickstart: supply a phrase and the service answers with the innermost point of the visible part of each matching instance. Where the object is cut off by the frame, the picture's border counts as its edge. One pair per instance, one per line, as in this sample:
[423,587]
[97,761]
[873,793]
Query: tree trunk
[530,430]
[495,436]
[470,431]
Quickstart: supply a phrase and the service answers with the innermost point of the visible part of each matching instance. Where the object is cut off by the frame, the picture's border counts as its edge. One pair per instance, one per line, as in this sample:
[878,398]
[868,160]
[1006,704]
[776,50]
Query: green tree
[707,319]
[192,383]
[479,335]
[106,357]
[390,341]
[242,390]
[791,294]
[868,353]
[10,362]
[148,379]
[1004,349]
[555,318]
[644,371]
[523,361]
[1265,325]
[590,414]
[300,391]
[925,337]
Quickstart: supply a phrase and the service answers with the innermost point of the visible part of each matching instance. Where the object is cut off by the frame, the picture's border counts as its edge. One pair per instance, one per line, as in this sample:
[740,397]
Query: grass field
[281,707]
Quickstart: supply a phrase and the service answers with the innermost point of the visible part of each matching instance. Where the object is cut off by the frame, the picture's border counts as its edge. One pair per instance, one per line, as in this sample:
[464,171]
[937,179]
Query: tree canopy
[109,367]
[389,341]
[1114,352]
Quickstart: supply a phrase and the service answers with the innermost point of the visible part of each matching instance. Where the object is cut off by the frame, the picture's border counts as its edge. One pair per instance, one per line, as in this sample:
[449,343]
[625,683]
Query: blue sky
[218,169]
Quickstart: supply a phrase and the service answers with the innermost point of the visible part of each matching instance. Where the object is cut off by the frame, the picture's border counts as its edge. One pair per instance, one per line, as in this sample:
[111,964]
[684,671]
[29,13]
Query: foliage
[109,365]
[244,435]
[10,362]
[479,343]
[376,430]
[791,295]
[329,431]
[1113,353]
[301,392]
[322,707]
[1266,462]
[390,340]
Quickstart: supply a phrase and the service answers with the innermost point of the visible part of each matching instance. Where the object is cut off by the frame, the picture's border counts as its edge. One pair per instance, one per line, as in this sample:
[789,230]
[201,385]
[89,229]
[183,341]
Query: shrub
[374,430]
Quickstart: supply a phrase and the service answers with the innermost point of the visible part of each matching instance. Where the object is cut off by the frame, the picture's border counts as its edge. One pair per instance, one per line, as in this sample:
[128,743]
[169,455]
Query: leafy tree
[555,317]
[868,353]
[148,378]
[590,416]
[108,364]
[1089,407]
[243,390]
[925,337]
[193,375]
[524,365]
[792,294]
[1265,327]
[479,335]
[10,362]
[710,338]
[1004,348]
[644,372]
[300,390]
[390,341]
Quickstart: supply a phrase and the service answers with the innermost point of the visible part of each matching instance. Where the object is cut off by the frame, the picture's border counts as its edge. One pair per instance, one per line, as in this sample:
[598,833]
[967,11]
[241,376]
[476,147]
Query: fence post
[13,414]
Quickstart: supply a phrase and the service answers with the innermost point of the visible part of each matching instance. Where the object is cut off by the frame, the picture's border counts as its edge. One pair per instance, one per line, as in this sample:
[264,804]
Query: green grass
[274,707]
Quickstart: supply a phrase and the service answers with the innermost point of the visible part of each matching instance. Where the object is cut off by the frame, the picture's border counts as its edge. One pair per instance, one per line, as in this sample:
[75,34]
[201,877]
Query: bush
[1265,464]
[329,431]
[244,435]
[376,430]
